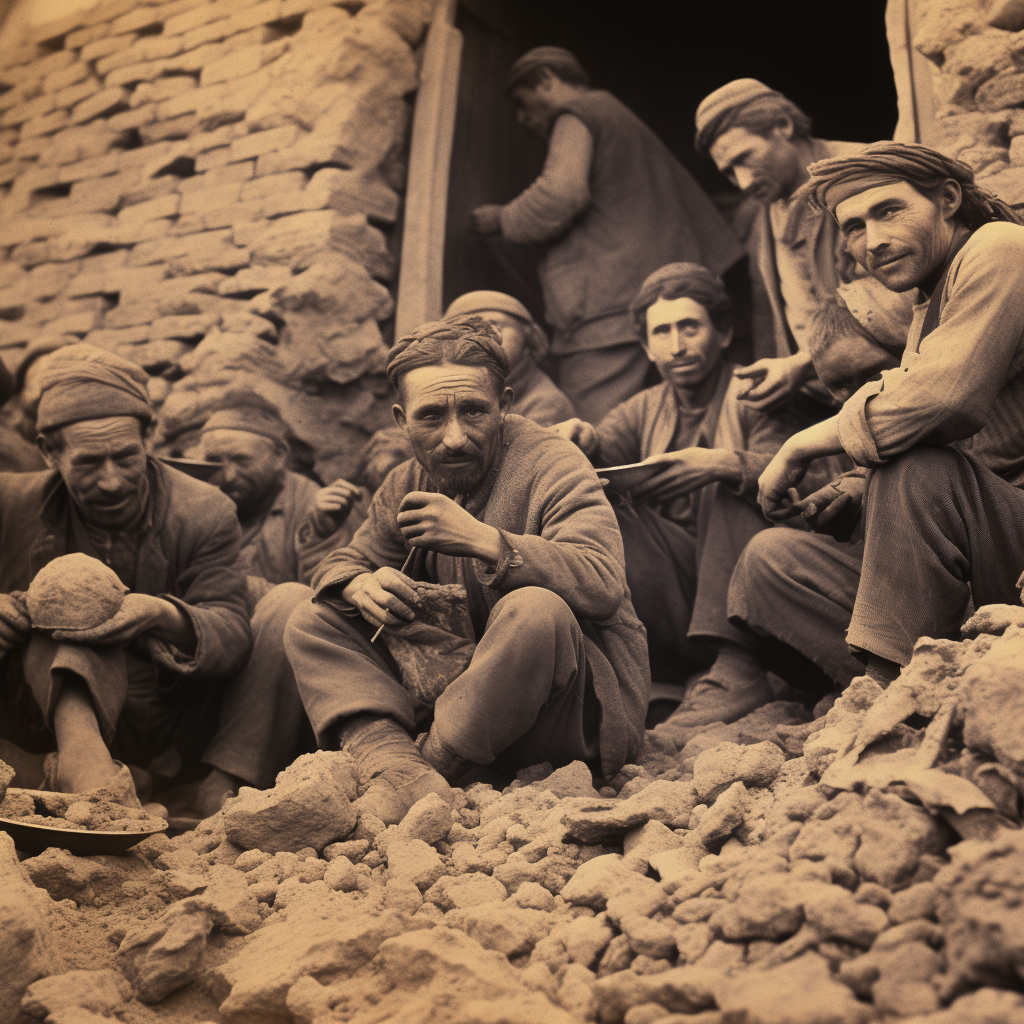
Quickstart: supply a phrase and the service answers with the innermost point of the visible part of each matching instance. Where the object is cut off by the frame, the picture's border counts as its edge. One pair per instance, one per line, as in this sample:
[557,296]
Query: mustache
[874,262]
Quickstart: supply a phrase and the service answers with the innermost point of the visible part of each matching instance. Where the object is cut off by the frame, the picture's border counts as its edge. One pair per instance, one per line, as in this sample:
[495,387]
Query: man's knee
[769,556]
[531,607]
[923,469]
[278,604]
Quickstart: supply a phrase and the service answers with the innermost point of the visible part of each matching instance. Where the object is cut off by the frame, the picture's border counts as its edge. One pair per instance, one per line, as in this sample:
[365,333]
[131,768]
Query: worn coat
[558,532]
[188,556]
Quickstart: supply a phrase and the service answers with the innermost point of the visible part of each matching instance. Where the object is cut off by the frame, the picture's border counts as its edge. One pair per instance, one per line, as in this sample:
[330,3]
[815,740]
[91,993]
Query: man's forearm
[816,441]
[174,627]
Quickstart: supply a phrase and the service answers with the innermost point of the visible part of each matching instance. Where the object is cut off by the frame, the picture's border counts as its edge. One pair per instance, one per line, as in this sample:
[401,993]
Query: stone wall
[210,188]
[977,51]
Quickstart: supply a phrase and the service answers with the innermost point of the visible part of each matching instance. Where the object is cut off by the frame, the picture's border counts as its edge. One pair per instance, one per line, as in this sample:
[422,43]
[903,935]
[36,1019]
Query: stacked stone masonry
[977,51]
[210,188]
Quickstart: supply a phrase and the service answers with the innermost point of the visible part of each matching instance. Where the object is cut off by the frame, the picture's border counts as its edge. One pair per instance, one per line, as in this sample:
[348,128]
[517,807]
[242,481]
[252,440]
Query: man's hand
[775,380]
[776,485]
[835,509]
[383,598]
[486,219]
[435,522]
[15,624]
[581,433]
[333,504]
[140,613]
[689,470]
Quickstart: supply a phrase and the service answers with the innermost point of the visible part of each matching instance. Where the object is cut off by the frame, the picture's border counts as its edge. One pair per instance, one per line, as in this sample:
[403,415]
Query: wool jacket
[188,555]
[558,532]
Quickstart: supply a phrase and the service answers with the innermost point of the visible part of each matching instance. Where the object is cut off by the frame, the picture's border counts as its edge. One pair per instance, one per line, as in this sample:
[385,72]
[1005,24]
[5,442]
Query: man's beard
[455,480]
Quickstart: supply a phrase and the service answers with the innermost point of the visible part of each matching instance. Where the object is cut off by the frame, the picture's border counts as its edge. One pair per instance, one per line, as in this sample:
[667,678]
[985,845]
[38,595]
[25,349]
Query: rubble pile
[866,865]
[977,51]
[210,188]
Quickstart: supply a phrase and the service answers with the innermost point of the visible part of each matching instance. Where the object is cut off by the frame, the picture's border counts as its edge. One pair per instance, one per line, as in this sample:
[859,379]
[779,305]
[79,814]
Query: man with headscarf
[684,528]
[811,344]
[143,685]
[612,205]
[943,434]
[515,515]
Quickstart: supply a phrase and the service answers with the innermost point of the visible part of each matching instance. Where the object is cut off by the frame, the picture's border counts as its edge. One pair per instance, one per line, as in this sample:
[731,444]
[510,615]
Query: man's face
[103,464]
[453,416]
[683,342]
[535,107]
[896,234]
[765,168]
[250,466]
[512,331]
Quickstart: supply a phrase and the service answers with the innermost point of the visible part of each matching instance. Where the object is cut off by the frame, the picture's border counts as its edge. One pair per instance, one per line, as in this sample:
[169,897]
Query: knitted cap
[716,105]
[248,412]
[485,301]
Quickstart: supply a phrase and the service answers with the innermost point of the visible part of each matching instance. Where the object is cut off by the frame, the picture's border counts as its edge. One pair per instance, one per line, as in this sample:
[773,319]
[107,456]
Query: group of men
[497,602]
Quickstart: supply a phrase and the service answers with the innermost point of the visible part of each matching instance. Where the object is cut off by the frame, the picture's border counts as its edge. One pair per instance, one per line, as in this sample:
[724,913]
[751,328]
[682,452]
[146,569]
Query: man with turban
[612,204]
[141,686]
[761,141]
[942,434]
[684,528]
[515,515]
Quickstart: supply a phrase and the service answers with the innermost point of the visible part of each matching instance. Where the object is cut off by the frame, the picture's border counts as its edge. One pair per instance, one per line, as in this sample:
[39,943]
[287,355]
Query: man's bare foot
[214,791]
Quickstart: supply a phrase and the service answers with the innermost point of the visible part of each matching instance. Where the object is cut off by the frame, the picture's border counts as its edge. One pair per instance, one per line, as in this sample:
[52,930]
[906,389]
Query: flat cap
[555,58]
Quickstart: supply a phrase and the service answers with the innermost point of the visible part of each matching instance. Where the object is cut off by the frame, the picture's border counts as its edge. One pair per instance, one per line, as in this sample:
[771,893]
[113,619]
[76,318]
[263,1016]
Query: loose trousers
[526,696]
[939,530]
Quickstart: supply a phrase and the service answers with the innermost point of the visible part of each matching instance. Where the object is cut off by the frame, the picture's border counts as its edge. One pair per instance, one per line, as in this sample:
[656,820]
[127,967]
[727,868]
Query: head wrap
[554,58]
[88,383]
[462,341]
[678,281]
[887,163]
[38,347]
[251,413]
[716,106]
[482,302]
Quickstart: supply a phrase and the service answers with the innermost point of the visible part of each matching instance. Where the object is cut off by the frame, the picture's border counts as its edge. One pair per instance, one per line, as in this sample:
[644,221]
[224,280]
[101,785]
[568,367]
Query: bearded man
[143,686]
[943,434]
[612,204]
[514,514]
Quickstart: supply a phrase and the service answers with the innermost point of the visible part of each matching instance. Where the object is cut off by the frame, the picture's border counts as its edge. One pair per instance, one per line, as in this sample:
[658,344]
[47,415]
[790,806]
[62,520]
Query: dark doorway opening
[660,57]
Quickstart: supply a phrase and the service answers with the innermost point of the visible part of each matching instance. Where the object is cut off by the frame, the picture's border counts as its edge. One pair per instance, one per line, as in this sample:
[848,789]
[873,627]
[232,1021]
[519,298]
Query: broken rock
[715,770]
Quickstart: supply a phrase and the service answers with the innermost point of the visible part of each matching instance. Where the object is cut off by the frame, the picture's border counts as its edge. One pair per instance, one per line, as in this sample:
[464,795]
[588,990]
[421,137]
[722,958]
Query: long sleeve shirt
[964,382]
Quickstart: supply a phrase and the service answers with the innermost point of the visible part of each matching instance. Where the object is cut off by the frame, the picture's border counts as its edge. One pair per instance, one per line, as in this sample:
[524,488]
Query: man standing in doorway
[613,205]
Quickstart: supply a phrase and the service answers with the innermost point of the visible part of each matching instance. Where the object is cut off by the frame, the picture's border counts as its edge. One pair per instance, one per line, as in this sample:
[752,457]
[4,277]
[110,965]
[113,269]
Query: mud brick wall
[977,51]
[210,188]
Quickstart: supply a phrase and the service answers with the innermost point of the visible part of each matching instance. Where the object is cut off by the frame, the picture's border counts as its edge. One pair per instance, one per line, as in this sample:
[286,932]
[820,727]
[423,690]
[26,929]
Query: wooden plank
[426,194]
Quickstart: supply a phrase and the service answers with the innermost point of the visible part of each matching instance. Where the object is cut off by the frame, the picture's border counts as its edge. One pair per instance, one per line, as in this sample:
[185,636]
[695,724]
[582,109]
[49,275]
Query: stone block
[192,254]
[139,18]
[103,992]
[232,174]
[161,89]
[1006,14]
[188,20]
[98,194]
[74,94]
[112,337]
[174,128]
[293,8]
[142,50]
[310,150]
[57,80]
[105,46]
[1005,90]
[45,125]
[252,16]
[100,104]
[211,158]
[22,112]
[83,36]
[1016,151]
[100,166]
[236,64]
[259,143]
[128,119]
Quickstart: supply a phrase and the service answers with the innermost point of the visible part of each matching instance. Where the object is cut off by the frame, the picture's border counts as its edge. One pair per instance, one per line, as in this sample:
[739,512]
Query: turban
[88,383]
[251,413]
[678,281]
[887,163]
[717,106]
[554,58]
[462,340]
[498,302]
[35,350]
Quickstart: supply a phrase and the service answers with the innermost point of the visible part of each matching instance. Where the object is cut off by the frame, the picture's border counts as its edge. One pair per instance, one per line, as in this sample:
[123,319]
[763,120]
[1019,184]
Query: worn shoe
[734,686]
[444,760]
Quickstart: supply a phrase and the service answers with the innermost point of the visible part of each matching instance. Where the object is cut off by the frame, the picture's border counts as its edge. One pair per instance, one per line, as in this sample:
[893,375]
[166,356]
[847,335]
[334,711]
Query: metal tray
[33,839]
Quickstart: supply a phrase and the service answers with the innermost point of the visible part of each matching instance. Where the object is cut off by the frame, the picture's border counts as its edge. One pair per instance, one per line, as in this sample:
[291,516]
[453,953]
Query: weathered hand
[335,501]
[15,624]
[775,380]
[437,523]
[383,597]
[486,219]
[784,472]
[834,509]
[581,433]
[139,614]
[689,470]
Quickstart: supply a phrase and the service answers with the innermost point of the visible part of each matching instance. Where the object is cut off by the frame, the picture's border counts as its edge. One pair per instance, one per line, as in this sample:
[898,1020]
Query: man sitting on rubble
[943,433]
[515,515]
[142,686]
[683,529]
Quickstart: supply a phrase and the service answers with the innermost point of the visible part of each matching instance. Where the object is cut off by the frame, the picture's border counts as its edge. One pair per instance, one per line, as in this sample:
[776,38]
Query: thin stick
[405,566]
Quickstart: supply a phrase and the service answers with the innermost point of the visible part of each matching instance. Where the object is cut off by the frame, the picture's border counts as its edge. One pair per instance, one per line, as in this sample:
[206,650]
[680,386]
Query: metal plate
[33,839]
[624,478]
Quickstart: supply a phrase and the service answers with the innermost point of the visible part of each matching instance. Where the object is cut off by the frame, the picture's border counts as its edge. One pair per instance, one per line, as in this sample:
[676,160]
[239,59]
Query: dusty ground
[865,866]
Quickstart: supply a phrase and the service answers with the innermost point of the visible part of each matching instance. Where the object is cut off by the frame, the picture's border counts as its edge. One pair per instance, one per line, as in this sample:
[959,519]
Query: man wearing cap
[612,204]
[942,434]
[143,688]
[515,515]
[683,529]
[288,522]
[761,141]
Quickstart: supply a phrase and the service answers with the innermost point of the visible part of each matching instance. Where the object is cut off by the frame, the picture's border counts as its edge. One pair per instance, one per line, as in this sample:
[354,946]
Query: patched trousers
[940,529]
[526,696]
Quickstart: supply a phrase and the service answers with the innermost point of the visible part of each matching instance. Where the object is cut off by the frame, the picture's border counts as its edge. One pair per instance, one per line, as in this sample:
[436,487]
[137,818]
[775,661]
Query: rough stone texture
[715,770]
[102,992]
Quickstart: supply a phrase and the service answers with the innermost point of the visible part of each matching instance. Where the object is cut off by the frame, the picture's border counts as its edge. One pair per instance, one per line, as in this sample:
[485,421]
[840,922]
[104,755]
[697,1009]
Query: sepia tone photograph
[511,512]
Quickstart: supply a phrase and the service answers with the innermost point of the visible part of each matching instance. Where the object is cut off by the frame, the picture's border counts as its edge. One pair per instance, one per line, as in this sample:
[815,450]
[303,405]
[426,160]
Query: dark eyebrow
[689,321]
[874,211]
